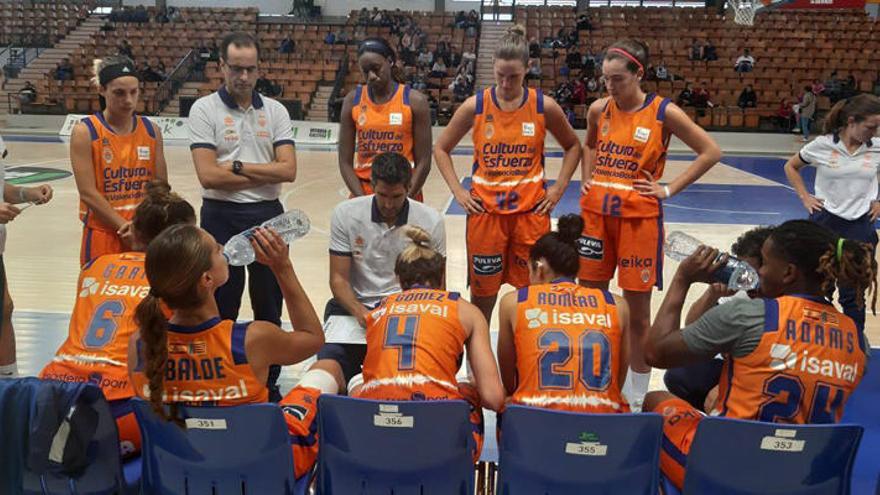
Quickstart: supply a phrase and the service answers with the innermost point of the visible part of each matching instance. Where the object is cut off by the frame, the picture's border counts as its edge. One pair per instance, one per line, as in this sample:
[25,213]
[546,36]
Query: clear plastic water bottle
[737,274]
[290,225]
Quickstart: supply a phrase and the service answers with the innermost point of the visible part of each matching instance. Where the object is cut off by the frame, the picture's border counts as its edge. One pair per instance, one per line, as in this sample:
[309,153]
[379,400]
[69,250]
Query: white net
[744,11]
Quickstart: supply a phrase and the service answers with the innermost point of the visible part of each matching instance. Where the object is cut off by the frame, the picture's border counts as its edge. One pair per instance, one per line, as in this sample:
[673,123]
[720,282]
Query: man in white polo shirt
[366,235]
[243,150]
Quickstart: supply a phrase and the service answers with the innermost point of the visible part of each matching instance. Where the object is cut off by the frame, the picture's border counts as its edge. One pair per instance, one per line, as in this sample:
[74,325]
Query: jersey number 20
[594,360]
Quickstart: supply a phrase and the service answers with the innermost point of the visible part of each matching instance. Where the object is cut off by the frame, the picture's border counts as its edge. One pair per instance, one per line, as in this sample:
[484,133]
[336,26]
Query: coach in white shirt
[847,161]
[366,236]
[243,150]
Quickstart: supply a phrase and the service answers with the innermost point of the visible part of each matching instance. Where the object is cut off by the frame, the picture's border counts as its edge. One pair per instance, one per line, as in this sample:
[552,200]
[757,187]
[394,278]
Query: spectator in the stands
[215,51]
[592,85]
[363,17]
[455,59]
[850,87]
[710,53]
[696,51]
[64,70]
[140,14]
[701,97]
[124,48]
[818,87]
[330,39]
[563,92]
[27,95]
[660,72]
[650,73]
[578,92]
[747,98]
[426,58]
[442,50]
[833,87]
[287,45]
[583,22]
[439,68]
[806,111]
[686,97]
[460,20]
[534,48]
[784,116]
[744,63]
[534,70]
[574,59]
[342,37]
[266,87]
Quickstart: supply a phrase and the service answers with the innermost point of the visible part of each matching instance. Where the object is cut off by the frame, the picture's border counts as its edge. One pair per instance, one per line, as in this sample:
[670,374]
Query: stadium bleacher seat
[239,450]
[545,451]
[405,448]
[91,431]
[730,456]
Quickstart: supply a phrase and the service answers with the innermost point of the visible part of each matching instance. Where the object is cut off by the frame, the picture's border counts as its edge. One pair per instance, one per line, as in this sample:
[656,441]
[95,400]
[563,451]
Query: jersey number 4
[594,360]
[103,325]
[400,334]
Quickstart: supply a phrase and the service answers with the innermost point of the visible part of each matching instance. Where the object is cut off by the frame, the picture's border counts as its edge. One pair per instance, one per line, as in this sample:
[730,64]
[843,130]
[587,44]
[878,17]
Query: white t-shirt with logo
[846,182]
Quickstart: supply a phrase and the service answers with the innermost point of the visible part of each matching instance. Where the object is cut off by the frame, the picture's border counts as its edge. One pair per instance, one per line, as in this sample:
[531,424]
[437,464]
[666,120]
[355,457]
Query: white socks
[9,371]
[635,388]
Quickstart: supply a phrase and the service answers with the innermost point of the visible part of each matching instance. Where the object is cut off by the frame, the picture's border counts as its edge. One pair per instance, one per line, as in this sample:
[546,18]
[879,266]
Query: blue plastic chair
[736,457]
[102,476]
[371,447]
[241,450]
[861,409]
[544,452]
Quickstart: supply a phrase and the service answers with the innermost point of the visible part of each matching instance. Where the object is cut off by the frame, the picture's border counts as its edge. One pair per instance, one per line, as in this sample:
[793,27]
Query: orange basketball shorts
[96,242]
[631,246]
[680,421]
[300,408]
[498,249]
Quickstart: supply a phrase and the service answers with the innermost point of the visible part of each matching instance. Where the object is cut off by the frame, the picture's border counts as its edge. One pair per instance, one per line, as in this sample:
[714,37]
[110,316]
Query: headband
[376,46]
[629,56]
[840,249]
[116,71]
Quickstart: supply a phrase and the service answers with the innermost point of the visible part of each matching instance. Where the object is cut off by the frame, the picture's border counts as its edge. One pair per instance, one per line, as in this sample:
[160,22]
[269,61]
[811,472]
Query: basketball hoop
[744,11]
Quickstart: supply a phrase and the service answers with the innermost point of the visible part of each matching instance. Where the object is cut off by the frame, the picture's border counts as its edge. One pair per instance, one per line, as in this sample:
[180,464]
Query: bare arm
[506,346]
[480,356]
[340,286]
[265,342]
[557,124]
[663,344]
[793,173]
[589,152]
[461,123]
[346,147]
[422,137]
[161,165]
[84,174]
[707,150]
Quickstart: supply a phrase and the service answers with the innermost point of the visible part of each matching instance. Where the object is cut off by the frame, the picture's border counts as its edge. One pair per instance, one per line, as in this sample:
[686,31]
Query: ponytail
[560,248]
[418,263]
[858,107]
[851,264]
[153,327]
[513,45]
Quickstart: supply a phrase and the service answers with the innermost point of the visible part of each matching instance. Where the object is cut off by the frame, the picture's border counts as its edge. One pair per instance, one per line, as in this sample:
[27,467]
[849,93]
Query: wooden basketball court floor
[746,189]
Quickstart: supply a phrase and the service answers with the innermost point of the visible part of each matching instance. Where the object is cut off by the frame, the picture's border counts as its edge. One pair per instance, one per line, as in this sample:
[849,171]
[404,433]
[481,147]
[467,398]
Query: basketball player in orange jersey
[114,155]
[415,341]
[382,116]
[561,346]
[790,358]
[625,152]
[110,287]
[509,203]
[196,358]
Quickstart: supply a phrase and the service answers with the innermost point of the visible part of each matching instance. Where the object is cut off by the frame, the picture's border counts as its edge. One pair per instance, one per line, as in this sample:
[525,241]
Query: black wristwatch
[237,166]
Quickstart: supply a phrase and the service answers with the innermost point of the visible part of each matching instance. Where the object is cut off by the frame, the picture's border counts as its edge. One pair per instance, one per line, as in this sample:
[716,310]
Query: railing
[341,73]
[176,78]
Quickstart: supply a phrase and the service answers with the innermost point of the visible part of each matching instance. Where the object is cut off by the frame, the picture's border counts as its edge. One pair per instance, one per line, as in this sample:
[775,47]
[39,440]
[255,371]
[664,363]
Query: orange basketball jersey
[123,166]
[96,349]
[808,362]
[415,341]
[508,170]
[206,366]
[568,341]
[626,145]
[381,128]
